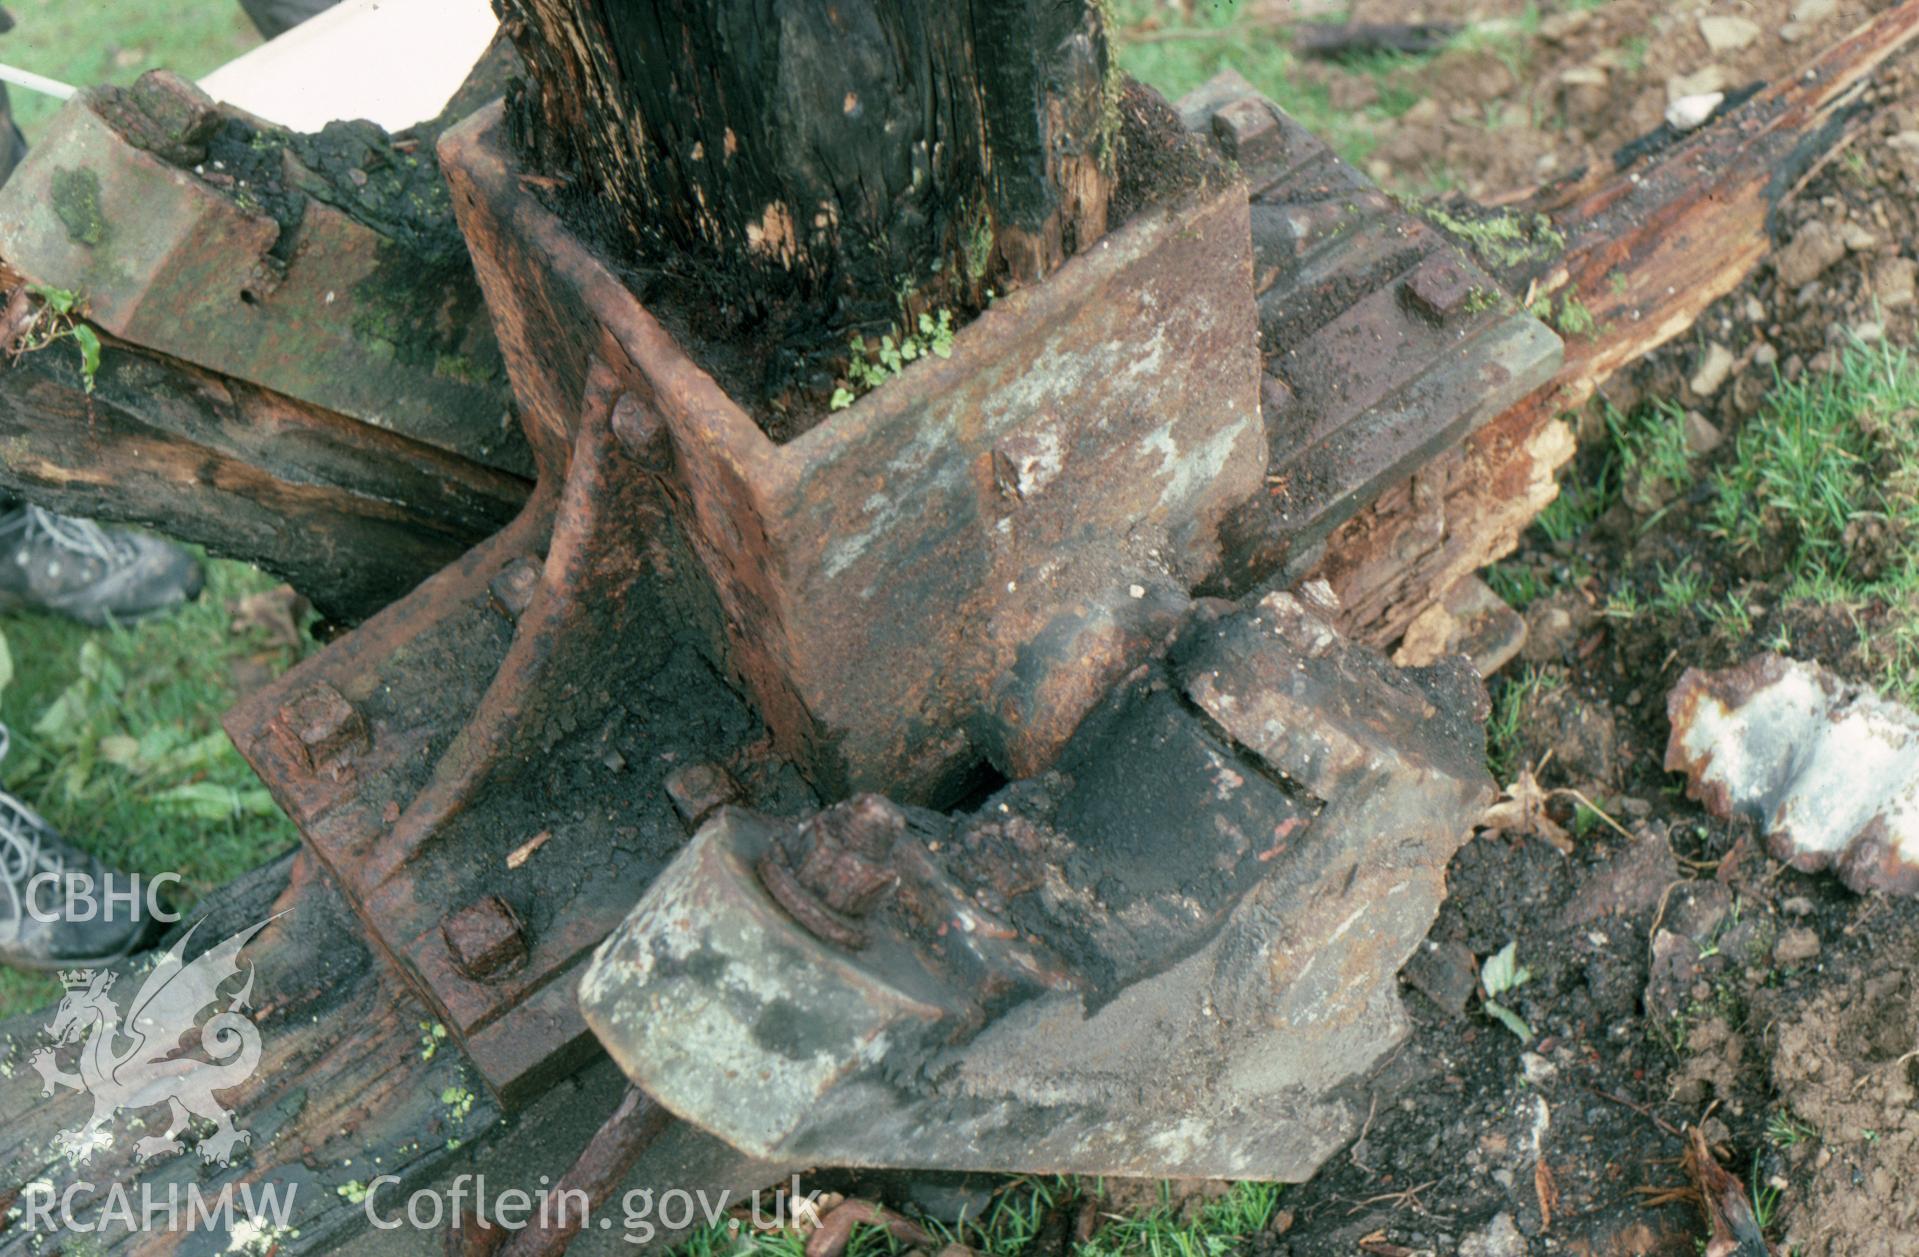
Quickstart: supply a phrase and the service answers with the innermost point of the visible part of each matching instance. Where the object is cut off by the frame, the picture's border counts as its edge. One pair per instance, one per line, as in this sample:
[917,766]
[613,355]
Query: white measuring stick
[35,82]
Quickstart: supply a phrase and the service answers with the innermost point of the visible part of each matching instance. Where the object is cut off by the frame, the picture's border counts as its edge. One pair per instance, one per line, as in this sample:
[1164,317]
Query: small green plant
[1730,616]
[934,336]
[1517,585]
[1765,1197]
[1785,1131]
[1622,604]
[53,315]
[1679,591]
[1502,727]
[1579,505]
[1499,973]
[1654,462]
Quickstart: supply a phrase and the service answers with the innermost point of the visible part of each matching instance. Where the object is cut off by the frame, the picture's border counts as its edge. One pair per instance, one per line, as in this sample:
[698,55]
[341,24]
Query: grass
[1827,456]
[1015,1226]
[1219,36]
[1503,726]
[117,742]
[85,44]
[1654,462]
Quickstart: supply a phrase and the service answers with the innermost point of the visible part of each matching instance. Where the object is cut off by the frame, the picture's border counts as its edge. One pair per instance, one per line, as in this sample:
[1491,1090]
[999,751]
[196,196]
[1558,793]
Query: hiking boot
[52,562]
[37,867]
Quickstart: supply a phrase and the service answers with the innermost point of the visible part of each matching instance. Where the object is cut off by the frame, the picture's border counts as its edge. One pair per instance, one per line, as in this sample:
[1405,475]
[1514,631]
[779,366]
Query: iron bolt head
[486,938]
[512,590]
[843,855]
[321,729]
[1247,131]
[697,790]
[1439,287]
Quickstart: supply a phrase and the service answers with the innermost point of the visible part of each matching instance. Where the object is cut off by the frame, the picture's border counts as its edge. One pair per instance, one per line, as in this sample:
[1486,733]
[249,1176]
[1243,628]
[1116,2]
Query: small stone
[1869,331]
[1689,111]
[1796,906]
[1701,82]
[1814,10]
[1857,237]
[1725,33]
[1754,312]
[1893,281]
[1444,972]
[1584,92]
[1498,1238]
[1795,946]
[1793,32]
[1816,247]
[1701,436]
[1560,26]
[1765,355]
[1714,366]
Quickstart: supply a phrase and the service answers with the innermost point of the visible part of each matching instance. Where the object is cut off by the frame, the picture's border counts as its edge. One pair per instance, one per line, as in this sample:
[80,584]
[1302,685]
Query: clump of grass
[1580,503]
[1015,1225]
[1503,725]
[1830,461]
[1827,450]
[117,742]
[1650,444]
[1517,585]
[1680,590]
[1231,34]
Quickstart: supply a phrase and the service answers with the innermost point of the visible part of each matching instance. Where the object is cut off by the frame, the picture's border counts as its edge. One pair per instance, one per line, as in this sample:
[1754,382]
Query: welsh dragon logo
[137,1063]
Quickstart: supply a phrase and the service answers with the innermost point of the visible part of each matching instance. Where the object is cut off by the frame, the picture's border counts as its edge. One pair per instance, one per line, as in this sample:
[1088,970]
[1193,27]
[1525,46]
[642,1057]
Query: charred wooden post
[822,157]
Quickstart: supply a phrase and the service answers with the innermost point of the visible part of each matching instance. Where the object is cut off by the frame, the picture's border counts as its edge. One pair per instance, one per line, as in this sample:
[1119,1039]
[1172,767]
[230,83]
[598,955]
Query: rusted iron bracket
[942,580]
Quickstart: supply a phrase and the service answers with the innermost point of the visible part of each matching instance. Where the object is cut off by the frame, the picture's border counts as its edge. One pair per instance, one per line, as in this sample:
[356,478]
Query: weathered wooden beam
[352,1085]
[1646,251]
[353,515]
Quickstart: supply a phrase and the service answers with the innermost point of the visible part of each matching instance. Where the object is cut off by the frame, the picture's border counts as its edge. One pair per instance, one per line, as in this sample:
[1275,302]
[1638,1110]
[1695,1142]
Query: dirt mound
[1847,1067]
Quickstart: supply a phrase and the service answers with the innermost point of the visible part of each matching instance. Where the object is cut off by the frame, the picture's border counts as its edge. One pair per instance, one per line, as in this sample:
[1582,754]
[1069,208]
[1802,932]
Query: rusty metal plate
[1056,486]
[168,261]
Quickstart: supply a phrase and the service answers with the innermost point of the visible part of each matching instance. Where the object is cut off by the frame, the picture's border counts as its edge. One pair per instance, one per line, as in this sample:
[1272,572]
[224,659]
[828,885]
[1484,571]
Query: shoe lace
[82,537]
[28,848]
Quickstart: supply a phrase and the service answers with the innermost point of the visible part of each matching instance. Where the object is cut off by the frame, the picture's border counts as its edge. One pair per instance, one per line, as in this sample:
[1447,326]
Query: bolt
[837,867]
[321,729]
[1247,131]
[641,431]
[513,588]
[698,789]
[486,938]
[1439,287]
